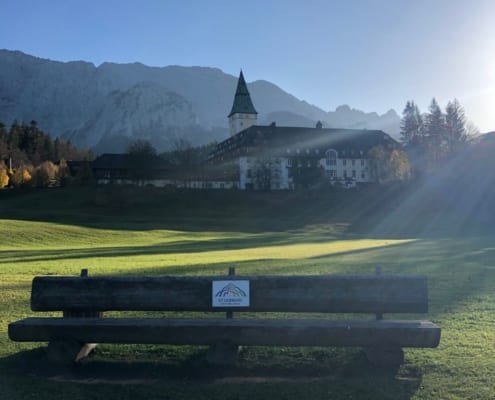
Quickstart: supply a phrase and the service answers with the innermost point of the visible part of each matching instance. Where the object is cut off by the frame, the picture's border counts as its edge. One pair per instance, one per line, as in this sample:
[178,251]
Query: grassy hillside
[155,232]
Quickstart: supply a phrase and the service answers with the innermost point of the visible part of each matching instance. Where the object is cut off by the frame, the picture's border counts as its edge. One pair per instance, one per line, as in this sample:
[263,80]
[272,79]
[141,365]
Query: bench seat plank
[208,331]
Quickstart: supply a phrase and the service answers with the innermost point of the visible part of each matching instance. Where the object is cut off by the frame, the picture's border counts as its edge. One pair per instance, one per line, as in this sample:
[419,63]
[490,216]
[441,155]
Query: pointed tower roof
[242,99]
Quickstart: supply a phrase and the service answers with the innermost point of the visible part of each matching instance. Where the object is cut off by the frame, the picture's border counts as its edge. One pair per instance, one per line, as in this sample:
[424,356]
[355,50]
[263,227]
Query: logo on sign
[230,293]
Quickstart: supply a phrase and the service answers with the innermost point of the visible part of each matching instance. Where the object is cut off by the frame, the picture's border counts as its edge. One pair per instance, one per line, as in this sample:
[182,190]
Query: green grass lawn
[61,232]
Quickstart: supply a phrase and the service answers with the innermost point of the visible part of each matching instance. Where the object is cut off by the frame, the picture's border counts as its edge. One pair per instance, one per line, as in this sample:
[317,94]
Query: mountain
[108,106]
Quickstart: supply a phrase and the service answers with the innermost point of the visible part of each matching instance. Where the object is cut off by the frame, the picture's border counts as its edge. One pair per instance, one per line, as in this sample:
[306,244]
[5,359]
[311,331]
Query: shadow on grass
[178,247]
[319,372]
[375,213]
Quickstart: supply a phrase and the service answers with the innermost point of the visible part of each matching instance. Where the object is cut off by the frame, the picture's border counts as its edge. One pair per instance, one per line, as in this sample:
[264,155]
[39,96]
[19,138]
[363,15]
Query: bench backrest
[304,293]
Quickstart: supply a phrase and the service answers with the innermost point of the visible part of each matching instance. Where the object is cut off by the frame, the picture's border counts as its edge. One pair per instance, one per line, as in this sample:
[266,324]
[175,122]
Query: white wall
[345,167]
[238,122]
[244,165]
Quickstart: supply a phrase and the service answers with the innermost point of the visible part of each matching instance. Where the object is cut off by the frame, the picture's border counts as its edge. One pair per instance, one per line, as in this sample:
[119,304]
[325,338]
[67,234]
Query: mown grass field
[149,232]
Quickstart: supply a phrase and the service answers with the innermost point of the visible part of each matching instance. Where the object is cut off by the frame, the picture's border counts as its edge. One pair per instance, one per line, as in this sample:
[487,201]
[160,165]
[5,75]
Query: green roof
[242,100]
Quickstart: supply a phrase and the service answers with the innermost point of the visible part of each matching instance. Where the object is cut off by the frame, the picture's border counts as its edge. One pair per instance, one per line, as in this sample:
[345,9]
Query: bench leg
[385,356]
[68,351]
[222,353]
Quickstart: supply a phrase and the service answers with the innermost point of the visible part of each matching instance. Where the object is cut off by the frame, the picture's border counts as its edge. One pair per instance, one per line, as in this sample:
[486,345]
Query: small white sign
[230,294]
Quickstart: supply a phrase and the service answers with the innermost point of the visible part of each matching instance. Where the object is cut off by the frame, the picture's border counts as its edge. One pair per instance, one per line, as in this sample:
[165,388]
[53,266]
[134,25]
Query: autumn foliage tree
[389,164]
[22,176]
[4,175]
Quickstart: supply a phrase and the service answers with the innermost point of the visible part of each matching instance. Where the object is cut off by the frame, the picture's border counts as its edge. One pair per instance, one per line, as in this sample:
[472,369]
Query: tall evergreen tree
[455,126]
[411,124]
[4,147]
[15,133]
[435,132]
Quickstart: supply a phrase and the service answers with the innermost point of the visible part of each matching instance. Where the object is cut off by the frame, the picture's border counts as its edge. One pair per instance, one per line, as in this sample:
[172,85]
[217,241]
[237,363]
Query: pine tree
[435,131]
[455,126]
[14,139]
[4,147]
[411,125]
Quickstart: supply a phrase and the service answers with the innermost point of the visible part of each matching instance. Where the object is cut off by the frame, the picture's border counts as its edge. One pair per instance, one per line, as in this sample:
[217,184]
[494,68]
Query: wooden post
[378,271]
[230,314]
[72,350]
[224,352]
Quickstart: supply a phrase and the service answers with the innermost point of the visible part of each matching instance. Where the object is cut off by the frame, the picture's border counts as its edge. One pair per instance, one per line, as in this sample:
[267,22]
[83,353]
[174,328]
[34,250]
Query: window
[353,162]
[331,157]
[363,175]
[345,173]
[289,162]
[362,163]
[249,173]
[344,162]
[353,173]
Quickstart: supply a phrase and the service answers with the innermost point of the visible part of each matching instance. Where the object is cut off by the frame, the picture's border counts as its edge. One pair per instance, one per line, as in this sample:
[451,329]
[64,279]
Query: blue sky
[371,54]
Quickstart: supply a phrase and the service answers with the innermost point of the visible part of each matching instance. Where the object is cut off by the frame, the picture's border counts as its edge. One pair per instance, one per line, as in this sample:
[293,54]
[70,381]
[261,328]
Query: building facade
[283,158]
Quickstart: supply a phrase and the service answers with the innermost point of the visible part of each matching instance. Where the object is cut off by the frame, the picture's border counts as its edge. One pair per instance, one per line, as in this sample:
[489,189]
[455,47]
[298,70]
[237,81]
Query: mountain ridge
[76,100]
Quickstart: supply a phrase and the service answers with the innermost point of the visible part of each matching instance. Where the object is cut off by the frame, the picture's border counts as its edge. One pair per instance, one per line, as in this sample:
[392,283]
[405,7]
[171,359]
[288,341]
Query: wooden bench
[84,299]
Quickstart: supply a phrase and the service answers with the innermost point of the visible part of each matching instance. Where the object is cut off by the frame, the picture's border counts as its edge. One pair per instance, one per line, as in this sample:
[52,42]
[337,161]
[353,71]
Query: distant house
[210,177]
[131,169]
[76,166]
[281,158]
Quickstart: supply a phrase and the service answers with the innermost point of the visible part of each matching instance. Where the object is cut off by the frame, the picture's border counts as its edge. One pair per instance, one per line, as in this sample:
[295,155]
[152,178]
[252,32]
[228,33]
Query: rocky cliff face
[105,107]
[144,111]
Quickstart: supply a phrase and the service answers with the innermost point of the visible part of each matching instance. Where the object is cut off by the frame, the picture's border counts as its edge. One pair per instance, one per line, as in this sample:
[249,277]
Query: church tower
[243,115]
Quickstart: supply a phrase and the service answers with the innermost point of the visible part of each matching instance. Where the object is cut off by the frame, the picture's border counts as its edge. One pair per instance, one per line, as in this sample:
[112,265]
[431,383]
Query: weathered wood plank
[208,331]
[321,293]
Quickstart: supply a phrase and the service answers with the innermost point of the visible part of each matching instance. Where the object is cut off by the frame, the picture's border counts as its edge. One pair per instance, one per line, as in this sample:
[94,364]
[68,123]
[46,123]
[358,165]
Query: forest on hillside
[31,157]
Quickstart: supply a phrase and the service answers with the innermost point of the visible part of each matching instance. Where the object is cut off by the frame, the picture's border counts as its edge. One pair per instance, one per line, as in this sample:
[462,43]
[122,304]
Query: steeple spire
[242,99]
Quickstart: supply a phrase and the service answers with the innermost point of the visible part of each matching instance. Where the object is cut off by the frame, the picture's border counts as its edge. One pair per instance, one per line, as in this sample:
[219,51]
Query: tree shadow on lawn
[458,271]
[327,369]
[176,247]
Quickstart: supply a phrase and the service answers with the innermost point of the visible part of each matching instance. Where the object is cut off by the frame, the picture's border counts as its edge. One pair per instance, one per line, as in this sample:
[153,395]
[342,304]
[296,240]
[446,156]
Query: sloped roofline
[242,99]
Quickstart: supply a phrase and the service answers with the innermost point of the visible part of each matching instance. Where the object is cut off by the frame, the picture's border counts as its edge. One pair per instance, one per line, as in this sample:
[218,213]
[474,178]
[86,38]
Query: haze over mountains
[108,106]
